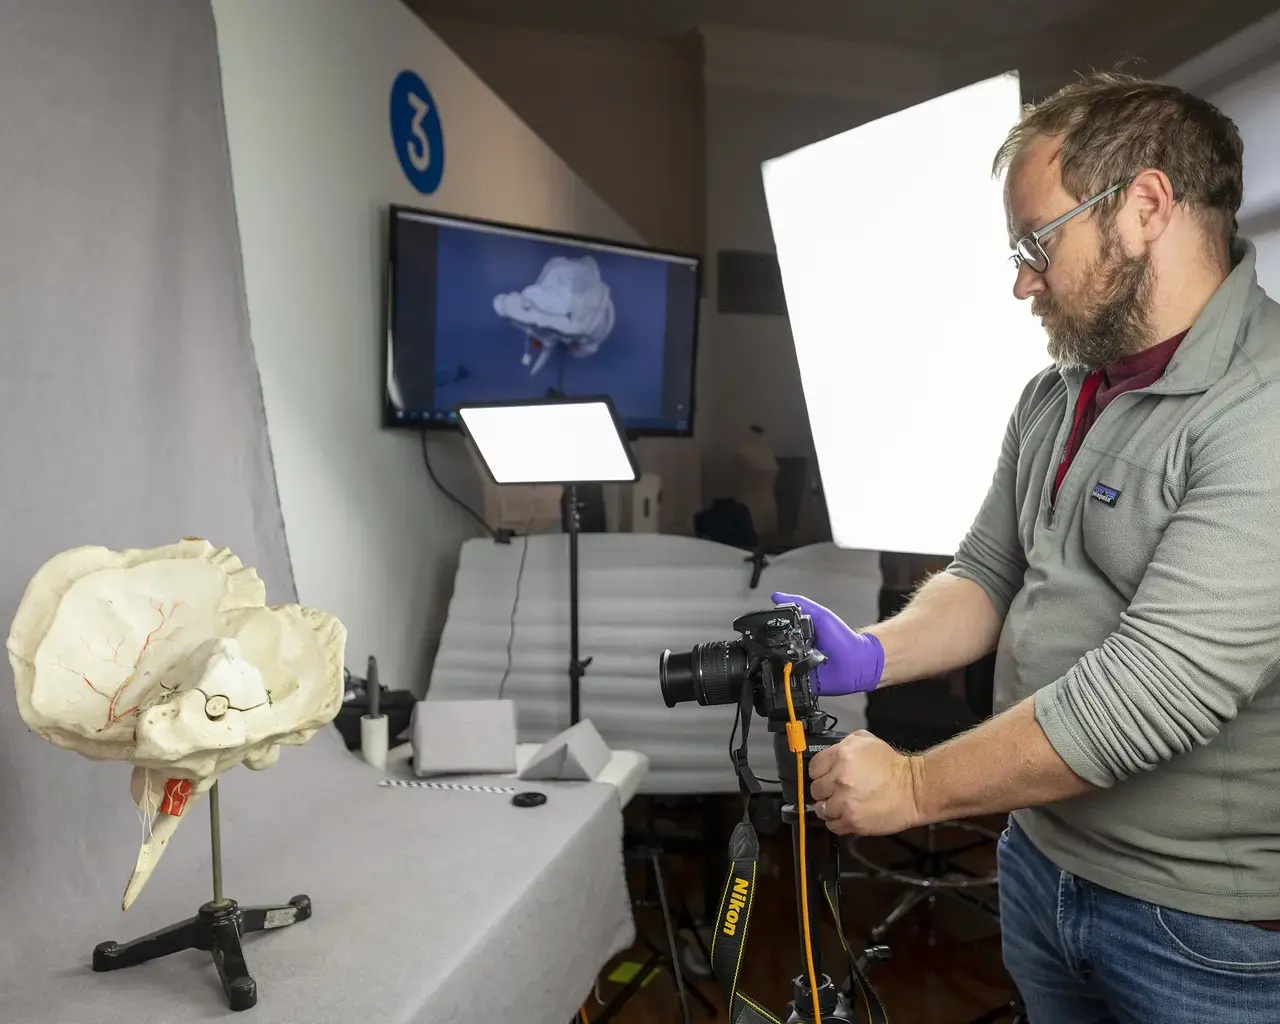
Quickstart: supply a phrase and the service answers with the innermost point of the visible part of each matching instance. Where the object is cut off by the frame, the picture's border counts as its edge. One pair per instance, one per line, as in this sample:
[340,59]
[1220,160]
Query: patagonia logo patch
[1106,495]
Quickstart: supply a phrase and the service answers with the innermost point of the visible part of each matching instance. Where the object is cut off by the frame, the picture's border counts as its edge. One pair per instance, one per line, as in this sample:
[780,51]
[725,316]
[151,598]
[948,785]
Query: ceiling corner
[813,65]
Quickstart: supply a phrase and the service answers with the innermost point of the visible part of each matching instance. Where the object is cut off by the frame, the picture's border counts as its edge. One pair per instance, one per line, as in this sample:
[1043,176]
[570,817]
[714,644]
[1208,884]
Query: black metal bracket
[217,928]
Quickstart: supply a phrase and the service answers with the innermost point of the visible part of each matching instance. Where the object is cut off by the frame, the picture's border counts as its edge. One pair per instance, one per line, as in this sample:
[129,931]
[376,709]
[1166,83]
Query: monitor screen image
[481,312]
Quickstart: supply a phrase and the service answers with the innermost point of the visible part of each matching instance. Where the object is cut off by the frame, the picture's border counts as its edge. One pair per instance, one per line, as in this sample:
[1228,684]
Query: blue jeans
[1082,954]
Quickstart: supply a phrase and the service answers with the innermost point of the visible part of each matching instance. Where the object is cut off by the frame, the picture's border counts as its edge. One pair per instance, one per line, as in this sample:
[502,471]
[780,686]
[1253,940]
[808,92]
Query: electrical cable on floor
[497,535]
[511,634]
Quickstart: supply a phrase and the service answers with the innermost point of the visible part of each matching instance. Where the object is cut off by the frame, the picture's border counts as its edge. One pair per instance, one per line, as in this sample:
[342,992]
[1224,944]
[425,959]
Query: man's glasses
[1031,252]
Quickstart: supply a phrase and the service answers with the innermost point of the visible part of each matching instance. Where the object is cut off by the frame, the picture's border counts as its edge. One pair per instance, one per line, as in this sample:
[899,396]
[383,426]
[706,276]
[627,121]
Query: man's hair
[1114,125]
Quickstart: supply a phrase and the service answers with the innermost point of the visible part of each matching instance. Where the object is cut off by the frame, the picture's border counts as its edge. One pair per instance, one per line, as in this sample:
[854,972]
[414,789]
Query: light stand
[577,665]
[216,928]
[558,440]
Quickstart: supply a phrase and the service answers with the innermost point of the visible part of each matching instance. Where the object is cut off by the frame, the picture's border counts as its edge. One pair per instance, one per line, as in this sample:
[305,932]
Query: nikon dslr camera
[715,672]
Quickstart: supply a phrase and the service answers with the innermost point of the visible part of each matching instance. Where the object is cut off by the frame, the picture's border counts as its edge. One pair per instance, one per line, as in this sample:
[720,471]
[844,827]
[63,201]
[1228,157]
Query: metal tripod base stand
[216,928]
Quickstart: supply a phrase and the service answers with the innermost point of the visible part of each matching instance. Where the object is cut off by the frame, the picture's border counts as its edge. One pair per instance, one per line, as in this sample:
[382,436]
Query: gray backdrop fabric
[130,416]
[130,408]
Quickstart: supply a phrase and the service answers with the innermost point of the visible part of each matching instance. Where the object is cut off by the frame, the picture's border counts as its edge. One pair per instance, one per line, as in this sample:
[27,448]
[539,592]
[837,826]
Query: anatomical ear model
[170,659]
[568,306]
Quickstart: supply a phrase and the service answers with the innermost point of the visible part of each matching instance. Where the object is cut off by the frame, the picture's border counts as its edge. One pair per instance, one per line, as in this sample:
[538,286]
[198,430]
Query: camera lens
[711,674]
[675,676]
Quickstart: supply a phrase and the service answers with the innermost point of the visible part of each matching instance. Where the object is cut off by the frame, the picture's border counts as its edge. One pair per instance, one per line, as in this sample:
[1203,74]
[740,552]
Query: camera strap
[747,781]
[734,915]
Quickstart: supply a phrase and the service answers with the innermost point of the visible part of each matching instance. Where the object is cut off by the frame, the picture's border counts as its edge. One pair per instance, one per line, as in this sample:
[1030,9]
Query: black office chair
[914,718]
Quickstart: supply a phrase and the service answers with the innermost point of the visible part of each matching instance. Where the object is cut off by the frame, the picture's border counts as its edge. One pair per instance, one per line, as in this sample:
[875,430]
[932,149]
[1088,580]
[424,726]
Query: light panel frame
[537,441]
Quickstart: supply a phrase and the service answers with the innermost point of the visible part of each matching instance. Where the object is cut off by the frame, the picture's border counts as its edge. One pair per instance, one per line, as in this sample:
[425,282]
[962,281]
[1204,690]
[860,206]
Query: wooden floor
[945,966]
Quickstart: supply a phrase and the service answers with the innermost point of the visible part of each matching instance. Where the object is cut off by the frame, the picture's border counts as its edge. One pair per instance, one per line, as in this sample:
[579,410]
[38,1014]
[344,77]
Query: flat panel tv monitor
[484,312]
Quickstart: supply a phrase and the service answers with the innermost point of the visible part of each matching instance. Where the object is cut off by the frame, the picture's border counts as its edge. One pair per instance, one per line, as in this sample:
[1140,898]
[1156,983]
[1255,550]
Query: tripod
[775,642]
[216,928]
[819,880]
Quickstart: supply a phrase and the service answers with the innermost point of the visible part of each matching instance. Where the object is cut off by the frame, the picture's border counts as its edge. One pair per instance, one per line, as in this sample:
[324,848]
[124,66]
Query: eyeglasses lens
[1032,253]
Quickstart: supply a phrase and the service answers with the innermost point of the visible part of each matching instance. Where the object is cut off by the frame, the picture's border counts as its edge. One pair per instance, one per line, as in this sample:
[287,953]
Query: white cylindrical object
[374,740]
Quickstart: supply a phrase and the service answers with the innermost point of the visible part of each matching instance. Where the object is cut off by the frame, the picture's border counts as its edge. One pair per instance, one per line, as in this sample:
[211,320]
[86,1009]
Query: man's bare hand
[862,786]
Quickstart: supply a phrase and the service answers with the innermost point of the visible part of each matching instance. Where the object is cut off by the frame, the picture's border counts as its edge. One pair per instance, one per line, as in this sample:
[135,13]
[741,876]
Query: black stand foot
[217,929]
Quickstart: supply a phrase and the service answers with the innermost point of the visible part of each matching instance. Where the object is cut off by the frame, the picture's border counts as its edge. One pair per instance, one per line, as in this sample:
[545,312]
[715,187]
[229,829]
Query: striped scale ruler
[424,784]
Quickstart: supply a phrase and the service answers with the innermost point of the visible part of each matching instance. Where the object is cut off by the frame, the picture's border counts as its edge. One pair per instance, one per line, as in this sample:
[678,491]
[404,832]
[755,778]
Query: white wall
[1241,75]
[307,86]
[1254,104]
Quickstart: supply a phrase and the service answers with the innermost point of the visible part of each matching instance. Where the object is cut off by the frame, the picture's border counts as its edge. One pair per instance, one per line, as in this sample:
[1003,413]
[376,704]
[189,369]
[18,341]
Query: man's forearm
[1002,765]
[949,623]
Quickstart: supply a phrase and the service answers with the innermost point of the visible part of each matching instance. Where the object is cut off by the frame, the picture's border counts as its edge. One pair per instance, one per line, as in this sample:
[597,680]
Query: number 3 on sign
[416,132]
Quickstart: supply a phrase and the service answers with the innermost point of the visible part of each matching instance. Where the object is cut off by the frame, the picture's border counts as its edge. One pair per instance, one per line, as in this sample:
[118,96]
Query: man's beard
[1115,321]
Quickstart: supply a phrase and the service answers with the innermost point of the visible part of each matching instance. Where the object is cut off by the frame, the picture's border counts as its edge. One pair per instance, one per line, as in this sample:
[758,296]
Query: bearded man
[1125,567]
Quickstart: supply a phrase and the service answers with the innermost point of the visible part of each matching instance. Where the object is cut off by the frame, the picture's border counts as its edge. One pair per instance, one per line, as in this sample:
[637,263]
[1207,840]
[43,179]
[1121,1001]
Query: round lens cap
[529,799]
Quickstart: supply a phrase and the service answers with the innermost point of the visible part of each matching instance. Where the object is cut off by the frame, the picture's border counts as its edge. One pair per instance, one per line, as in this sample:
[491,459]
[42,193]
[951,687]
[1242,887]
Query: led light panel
[550,441]
[894,254]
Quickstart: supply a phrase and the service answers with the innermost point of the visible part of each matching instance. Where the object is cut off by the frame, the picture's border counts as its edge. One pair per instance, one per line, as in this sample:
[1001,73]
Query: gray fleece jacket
[1142,612]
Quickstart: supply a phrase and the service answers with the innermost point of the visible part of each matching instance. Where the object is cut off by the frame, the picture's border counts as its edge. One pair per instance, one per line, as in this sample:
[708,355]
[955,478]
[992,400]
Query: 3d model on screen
[569,306]
[170,659]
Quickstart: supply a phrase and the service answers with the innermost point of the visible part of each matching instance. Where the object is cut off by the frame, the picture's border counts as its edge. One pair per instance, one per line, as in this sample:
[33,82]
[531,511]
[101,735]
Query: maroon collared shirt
[1139,370]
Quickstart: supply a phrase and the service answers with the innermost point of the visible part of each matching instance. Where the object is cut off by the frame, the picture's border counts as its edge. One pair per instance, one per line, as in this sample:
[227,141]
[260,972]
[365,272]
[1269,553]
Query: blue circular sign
[416,132]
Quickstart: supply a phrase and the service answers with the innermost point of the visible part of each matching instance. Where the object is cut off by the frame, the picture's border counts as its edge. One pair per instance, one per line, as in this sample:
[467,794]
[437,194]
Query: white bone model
[569,306]
[170,659]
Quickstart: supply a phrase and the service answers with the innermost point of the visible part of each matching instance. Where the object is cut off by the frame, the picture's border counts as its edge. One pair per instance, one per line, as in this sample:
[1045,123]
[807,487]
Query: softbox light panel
[894,253]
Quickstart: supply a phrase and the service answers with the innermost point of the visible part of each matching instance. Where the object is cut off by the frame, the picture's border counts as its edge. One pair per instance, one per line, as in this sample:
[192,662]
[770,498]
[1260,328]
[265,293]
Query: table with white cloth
[430,905]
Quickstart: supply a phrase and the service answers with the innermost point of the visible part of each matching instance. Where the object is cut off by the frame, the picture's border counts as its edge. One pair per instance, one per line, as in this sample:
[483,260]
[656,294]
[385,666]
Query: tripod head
[818,739]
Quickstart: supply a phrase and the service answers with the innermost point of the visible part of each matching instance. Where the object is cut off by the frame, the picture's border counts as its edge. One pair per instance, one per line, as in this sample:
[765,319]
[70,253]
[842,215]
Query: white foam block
[452,737]
[578,754]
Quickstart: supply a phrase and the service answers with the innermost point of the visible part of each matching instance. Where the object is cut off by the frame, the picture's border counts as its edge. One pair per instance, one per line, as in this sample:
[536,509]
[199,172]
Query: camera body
[714,673]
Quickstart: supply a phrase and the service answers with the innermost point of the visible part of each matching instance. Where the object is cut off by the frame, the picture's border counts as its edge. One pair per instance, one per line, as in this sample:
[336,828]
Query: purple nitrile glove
[854,660]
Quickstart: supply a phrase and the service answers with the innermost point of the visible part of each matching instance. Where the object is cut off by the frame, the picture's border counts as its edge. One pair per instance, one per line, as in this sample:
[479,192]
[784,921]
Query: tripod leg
[692,927]
[257,919]
[900,910]
[708,1007]
[658,957]
[621,997]
[685,922]
[676,971]
[228,956]
[111,956]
